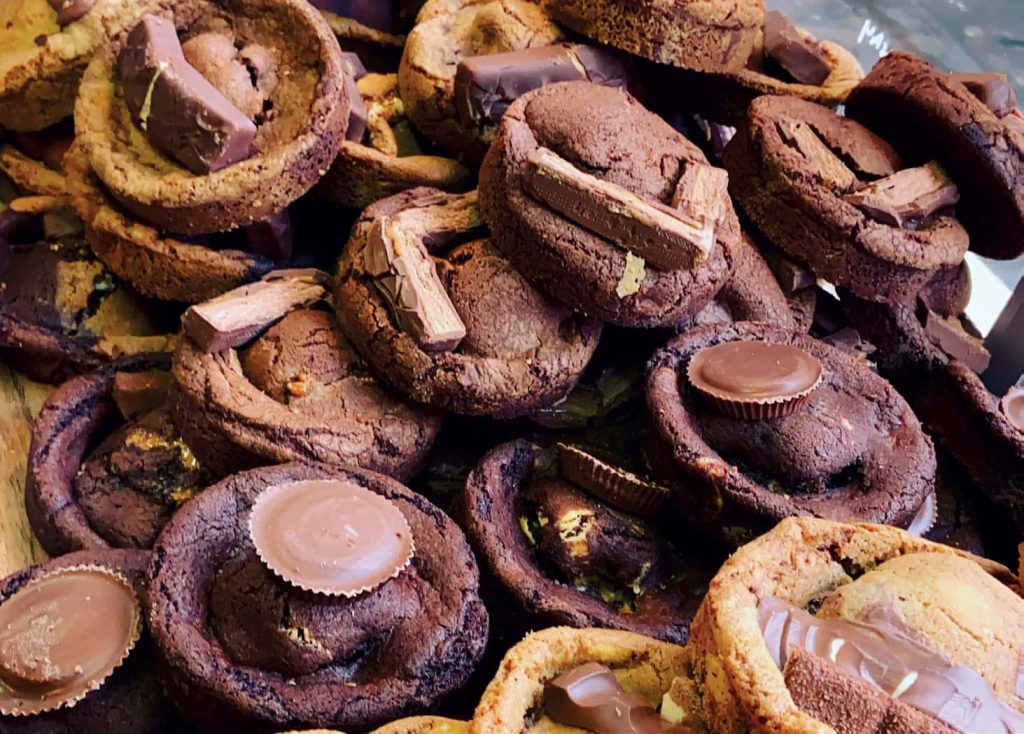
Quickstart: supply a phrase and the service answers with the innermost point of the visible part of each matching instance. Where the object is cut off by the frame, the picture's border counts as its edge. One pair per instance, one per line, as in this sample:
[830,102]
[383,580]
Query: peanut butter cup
[264,375]
[364,537]
[853,450]
[602,205]
[73,652]
[839,199]
[1012,406]
[244,649]
[99,479]
[269,72]
[444,317]
[568,555]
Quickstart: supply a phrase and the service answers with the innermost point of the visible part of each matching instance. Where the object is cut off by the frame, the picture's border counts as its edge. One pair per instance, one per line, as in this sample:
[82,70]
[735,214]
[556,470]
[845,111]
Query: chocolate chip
[272,238]
[1012,406]
[822,162]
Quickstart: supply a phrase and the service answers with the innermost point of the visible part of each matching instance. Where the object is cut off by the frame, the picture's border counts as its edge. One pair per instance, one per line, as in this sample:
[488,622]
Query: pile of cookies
[509,365]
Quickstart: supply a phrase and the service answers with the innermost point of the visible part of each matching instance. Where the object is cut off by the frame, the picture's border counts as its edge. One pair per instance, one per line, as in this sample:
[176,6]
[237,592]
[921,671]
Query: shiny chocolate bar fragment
[800,57]
[405,275]
[485,86]
[237,317]
[702,193]
[665,237]
[950,336]
[821,161]
[137,393]
[992,89]
[181,113]
[910,195]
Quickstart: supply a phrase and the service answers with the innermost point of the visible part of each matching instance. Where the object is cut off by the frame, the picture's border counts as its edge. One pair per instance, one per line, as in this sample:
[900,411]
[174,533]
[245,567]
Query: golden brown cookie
[412,725]
[643,666]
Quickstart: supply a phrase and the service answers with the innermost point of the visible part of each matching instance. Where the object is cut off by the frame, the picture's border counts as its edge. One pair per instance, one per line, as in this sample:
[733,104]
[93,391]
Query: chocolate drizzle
[883,650]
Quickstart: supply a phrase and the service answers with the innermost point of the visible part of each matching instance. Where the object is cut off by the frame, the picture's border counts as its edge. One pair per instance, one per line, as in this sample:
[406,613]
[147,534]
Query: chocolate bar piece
[994,90]
[702,194]
[666,238]
[485,86]
[791,275]
[849,705]
[358,115]
[137,393]
[822,162]
[955,341]
[405,274]
[911,195]
[181,113]
[353,65]
[272,238]
[238,316]
[68,11]
[798,56]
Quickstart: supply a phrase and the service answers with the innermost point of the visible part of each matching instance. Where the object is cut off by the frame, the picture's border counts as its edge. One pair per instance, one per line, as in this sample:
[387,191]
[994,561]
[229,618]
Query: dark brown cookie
[346,663]
[929,115]
[521,350]
[96,481]
[853,451]
[794,168]
[606,133]
[570,558]
[131,700]
[706,36]
[298,392]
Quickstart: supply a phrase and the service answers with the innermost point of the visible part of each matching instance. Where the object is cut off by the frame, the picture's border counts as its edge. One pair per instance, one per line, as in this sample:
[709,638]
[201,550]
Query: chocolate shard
[137,393]
[850,705]
[702,194]
[666,238]
[68,11]
[181,113]
[590,697]
[906,197]
[822,163]
[791,275]
[272,238]
[949,335]
[238,316]
[800,57]
[358,115]
[405,274]
[485,86]
[353,65]
[992,89]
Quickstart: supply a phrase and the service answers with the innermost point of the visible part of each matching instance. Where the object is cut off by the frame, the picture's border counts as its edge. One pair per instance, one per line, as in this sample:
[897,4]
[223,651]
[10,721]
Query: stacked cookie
[439,358]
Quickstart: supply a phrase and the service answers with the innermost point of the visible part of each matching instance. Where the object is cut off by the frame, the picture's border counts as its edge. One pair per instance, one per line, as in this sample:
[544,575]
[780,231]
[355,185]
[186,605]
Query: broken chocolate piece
[992,89]
[949,335]
[68,11]
[272,238]
[909,196]
[823,163]
[666,238]
[136,393]
[405,274]
[358,115]
[485,86]
[850,705]
[590,697]
[353,65]
[800,57]
[238,316]
[181,113]
[791,275]
[881,649]
[702,194]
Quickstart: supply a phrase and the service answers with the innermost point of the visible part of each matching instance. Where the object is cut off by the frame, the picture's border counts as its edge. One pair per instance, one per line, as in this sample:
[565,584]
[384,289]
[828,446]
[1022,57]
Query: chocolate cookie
[47,46]
[385,157]
[268,82]
[299,391]
[983,431]
[61,311]
[568,154]
[446,33]
[901,605]
[92,697]
[569,556]
[246,649]
[106,466]
[766,423]
[822,72]
[694,35]
[163,265]
[930,115]
[838,198]
[488,363]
